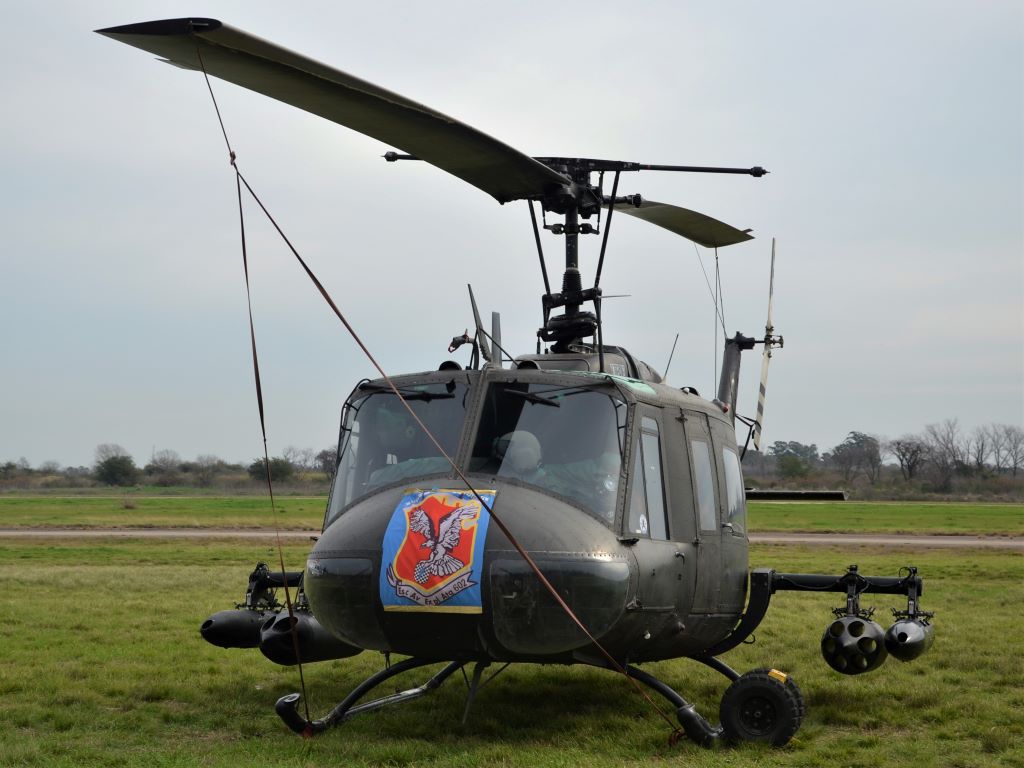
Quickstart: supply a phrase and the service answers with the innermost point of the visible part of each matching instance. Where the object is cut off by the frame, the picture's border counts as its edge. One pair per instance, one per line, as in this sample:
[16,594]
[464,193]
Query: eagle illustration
[449,531]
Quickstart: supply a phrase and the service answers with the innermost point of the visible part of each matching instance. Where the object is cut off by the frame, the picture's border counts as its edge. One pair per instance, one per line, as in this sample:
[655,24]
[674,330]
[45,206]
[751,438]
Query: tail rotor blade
[770,341]
[769,326]
[759,421]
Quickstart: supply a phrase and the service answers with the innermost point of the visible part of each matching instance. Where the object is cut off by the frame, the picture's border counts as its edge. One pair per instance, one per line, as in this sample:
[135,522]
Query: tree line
[943,459]
[938,459]
[115,466]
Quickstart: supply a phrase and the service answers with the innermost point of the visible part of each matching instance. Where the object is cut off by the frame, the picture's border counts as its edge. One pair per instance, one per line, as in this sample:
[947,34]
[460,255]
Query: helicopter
[570,508]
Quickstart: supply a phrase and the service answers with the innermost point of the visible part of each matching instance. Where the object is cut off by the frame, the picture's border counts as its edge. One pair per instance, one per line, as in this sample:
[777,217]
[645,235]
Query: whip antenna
[670,355]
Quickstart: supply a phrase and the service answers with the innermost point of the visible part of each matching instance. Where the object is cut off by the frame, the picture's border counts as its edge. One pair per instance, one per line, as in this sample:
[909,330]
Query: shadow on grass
[535,704]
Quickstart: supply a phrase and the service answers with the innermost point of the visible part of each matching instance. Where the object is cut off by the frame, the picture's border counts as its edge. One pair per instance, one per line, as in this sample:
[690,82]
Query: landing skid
[287,706]
[763,705]
[696,728]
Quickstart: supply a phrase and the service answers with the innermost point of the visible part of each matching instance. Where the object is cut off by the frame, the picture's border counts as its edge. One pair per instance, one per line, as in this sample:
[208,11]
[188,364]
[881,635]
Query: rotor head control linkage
[581,229]
[635,200]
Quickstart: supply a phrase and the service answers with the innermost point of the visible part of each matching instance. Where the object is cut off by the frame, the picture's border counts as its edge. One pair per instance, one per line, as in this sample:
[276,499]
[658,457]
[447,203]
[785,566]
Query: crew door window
[647,501]
[735,495]
[704,484]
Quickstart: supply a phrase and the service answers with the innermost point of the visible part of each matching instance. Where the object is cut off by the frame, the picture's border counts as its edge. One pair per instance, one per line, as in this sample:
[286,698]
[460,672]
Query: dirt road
[809,539]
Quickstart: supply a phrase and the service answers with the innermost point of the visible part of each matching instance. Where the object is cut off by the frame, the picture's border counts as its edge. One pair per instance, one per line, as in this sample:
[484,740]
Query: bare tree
[1014,436]
[206,469]
[872,448]
[307,457]
[106,451]
[945,453]
[326,459]
[164,467]
[978,449]
[911,452]
[304,459]
[166,460]
[997,441]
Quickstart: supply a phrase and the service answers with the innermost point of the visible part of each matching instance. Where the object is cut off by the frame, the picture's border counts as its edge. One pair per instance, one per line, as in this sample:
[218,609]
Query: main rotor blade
[703,230]
[251,62]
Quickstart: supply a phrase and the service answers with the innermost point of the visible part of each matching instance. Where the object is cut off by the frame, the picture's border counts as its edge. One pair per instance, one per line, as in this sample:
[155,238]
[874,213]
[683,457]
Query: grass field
[306,512]
[102,664]
[153,511]
[888,517]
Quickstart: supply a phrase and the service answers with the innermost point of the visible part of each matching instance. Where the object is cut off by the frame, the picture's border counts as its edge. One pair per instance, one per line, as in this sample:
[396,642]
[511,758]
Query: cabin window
[382,444]
[704,484]
[647,501]
[563,440]
[735,496]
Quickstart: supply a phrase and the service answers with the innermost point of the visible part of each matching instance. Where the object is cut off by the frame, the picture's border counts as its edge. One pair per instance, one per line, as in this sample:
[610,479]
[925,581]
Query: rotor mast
[580,198]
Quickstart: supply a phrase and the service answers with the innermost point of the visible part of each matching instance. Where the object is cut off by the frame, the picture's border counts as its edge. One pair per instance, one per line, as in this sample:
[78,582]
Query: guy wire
[613,662]
[293,624]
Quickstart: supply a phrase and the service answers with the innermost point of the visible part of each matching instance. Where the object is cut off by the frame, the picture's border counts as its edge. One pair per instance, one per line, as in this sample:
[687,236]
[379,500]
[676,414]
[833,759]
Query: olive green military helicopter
[561,507]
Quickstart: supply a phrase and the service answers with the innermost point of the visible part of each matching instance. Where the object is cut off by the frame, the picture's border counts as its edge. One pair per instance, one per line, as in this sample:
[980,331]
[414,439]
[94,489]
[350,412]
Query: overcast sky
[893,133]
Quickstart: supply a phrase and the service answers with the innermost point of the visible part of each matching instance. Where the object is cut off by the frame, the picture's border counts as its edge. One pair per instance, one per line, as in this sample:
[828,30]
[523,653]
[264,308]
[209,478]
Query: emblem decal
[433,552]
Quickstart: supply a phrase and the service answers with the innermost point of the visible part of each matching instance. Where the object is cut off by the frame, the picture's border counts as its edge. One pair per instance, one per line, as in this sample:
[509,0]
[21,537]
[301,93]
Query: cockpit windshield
[382,444]
[566,440]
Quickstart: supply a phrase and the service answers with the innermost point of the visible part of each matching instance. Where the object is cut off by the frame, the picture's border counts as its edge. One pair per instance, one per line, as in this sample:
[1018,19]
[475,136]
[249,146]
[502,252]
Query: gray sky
[893,133]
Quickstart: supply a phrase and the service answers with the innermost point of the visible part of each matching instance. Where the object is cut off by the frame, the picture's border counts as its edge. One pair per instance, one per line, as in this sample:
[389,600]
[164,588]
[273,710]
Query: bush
[791,467]
[280,469]
[117,470]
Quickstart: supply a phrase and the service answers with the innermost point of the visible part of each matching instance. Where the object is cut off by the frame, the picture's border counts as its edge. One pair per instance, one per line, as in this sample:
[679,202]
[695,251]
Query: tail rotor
[770,341]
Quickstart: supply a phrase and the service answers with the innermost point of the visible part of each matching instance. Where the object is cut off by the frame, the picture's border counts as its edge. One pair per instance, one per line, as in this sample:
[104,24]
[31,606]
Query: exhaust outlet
[233,629]
[314,642]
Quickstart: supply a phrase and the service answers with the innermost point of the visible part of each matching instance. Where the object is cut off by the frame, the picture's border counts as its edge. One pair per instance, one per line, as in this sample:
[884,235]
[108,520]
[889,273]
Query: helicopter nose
[527,620]
[340,586]
[420,594]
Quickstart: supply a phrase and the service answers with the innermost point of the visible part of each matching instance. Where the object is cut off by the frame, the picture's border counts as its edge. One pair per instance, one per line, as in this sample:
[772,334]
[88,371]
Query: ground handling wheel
[762,705]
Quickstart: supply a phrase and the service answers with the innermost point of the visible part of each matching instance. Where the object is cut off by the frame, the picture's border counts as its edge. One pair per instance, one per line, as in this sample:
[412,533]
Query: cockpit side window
[382,444]
[344,472]
[647,500]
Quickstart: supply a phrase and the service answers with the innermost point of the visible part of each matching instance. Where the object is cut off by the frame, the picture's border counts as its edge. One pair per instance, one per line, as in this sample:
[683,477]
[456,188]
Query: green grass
[101,664]
[888,517]
[138,511]
[306,512]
